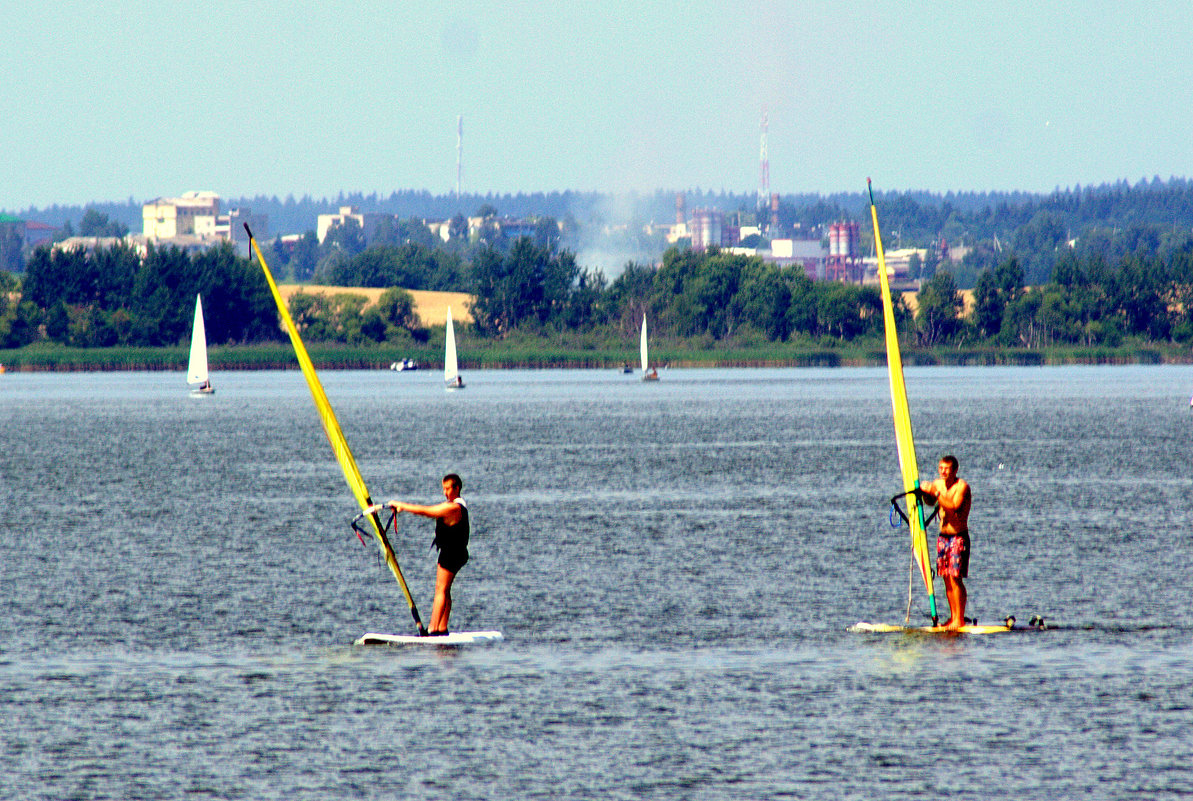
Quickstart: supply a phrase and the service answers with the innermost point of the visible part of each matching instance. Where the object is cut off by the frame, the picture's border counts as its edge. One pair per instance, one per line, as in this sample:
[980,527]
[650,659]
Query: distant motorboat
[404,365]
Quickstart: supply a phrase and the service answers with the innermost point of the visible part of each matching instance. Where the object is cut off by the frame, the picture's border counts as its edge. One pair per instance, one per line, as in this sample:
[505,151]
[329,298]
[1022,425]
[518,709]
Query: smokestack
[680,218]
[763,165]
[459,152]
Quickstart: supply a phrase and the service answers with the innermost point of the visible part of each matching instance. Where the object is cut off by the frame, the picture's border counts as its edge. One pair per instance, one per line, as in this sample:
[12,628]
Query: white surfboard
[454,638]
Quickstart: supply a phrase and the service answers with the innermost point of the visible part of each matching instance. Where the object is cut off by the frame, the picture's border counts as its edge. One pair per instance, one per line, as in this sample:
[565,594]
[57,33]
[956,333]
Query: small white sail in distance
[642,347]
[647,373]
[196,371]
[451,368]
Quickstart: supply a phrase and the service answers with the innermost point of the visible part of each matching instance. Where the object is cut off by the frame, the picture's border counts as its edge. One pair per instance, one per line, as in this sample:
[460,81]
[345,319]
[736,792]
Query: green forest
[1060,278]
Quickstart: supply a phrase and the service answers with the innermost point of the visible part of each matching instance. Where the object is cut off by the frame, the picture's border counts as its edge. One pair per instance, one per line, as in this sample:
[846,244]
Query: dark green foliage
[846,311]
[159,308]
[410,265]
[765,299]
[334,318]
[11,256]
[393,319]
[628,297]
[1112,290]
[1039,243]
[528,286]
[114,297]
[305,257]
[95,223]
[938,318]
[19,324]
[347,238]
[237,306]
[586,305]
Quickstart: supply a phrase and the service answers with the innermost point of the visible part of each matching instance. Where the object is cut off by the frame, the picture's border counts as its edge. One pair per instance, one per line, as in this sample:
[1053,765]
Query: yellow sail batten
[902,415]
[331,426]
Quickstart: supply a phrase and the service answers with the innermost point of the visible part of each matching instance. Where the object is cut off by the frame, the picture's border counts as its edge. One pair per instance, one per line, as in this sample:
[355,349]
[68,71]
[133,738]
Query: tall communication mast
[459,152]
[763,168]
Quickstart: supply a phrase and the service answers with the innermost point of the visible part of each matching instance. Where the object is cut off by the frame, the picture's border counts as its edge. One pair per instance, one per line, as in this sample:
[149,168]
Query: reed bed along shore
[527,354]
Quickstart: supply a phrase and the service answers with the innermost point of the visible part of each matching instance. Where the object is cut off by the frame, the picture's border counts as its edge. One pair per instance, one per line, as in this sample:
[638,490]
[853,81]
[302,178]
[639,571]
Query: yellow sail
[903,437]
[335,436]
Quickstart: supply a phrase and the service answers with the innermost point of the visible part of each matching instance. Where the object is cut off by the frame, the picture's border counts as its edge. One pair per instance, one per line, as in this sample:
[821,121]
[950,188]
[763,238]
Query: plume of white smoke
[616,230]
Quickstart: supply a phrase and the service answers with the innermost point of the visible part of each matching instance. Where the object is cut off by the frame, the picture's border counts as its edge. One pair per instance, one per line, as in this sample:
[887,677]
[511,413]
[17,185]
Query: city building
[807,253]
[898,268]
[173,217]
[93,243]
[193,222]
[31,232]
[707,229]
[367,221]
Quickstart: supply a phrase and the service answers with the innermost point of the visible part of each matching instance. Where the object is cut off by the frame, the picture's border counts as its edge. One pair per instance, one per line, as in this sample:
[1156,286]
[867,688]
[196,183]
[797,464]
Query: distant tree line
[1034,228]
[113,296]
[1088,300]
[1040,285]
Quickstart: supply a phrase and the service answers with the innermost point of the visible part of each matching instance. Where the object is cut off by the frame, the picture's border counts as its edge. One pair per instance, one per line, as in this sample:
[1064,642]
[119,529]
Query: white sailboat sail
[647,373]
[196,371]
[451,367]
[642,347]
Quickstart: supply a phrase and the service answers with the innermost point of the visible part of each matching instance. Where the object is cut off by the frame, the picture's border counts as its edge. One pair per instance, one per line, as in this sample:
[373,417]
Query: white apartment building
[368,222]
[171,217]
[193,221]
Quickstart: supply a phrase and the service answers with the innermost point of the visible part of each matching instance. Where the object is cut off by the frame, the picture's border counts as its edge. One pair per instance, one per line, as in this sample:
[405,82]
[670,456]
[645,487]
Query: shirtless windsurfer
[952,495]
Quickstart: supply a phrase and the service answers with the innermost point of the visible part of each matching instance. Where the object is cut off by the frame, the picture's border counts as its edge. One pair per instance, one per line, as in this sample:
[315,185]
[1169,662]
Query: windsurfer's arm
[954,499]
[928,493]
[447,509]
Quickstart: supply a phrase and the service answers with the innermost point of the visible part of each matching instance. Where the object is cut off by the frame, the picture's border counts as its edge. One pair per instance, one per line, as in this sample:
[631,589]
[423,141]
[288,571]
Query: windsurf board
[969,628]
[454,638]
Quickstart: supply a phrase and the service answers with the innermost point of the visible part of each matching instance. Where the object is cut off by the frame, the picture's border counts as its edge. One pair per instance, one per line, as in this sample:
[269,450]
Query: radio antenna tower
[763,167]
[459,152]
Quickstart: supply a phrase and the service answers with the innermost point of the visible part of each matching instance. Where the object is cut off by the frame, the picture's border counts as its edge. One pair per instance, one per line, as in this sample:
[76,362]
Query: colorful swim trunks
[952,555]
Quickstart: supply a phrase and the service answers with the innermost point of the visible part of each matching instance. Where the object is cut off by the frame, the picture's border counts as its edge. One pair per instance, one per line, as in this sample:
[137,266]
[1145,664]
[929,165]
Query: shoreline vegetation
[548,354]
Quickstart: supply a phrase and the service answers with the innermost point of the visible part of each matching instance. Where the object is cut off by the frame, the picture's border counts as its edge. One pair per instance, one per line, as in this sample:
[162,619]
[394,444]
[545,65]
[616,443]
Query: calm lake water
[674,566]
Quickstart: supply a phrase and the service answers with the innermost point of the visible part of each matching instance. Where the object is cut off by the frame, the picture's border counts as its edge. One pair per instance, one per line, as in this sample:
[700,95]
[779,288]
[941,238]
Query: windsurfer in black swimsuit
[451,538]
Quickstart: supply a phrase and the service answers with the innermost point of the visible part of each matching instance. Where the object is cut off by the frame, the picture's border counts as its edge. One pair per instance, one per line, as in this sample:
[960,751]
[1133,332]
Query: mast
[331,427]
[902,416]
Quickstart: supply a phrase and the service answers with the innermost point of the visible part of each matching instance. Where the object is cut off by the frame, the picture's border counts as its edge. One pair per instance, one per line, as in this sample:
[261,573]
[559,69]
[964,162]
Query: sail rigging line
[335,436]
[391,523]
[902,418]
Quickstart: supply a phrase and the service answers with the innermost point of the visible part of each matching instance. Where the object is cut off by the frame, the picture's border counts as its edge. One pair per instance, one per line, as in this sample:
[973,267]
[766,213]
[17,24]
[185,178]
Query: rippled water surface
[674,566]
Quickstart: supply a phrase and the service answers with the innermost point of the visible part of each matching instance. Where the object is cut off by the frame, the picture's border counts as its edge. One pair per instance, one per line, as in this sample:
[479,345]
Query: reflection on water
[674,566]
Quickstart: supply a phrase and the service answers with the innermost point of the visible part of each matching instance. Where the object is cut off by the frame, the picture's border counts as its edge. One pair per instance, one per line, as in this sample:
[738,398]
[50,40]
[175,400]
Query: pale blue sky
[106,101]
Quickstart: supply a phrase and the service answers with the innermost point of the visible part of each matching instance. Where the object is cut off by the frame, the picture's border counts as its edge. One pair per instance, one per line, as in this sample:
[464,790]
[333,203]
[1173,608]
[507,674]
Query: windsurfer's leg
[442,608]
[955,592]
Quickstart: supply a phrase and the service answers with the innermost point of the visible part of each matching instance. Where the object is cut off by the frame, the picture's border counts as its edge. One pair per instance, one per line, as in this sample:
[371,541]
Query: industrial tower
[459,152]
[763,170]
